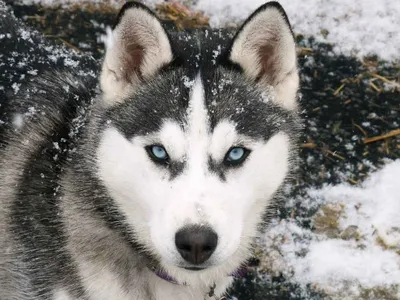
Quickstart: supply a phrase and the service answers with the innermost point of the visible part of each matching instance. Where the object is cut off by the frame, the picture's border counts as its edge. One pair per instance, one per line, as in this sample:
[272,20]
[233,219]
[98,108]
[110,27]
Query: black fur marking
[217,168]
[176,168]
[132,5]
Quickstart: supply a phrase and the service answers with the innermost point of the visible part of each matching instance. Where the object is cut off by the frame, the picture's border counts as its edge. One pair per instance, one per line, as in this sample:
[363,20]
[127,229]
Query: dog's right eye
[158,154]
[235,156]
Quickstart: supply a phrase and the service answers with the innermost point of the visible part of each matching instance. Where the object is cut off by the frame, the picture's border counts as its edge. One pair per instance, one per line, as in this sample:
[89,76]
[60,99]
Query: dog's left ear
[264,48]
[137,48]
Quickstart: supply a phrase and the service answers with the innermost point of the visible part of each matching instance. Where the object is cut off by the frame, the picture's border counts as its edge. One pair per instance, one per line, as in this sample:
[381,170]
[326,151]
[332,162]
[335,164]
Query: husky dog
[155,186]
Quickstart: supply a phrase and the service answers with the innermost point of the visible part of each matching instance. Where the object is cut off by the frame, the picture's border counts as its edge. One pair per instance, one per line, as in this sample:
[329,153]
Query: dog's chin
[198,275]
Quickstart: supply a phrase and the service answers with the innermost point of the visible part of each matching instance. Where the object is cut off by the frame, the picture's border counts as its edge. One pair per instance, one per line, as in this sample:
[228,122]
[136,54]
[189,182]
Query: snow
[354,27]
[346,264]
[108,38]
[361,27]
[69,2]
[364,251]
[373,207]
[16,87]
[18,121]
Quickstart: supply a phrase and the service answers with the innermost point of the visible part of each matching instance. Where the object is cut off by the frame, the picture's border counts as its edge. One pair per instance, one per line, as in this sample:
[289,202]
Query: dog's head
[197,136]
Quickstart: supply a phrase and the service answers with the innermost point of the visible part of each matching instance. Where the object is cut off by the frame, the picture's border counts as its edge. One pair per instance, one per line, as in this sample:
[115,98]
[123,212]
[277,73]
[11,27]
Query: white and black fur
[88,212]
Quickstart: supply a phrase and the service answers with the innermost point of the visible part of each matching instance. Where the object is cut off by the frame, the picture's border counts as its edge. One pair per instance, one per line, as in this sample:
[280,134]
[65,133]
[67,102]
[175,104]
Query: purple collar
[165,276]
[239,273]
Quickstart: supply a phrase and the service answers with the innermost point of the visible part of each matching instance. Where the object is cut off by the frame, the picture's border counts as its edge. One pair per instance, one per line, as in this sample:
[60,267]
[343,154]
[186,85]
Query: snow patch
[108,38]
[18,121]
[359,248]
[360,27]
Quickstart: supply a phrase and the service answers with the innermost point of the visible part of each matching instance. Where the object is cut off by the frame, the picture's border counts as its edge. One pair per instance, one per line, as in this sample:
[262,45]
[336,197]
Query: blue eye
[158,153]
[236,155]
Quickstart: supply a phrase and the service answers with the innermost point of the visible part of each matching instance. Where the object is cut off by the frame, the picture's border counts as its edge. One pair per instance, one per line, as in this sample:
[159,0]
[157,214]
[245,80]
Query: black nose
[196,244]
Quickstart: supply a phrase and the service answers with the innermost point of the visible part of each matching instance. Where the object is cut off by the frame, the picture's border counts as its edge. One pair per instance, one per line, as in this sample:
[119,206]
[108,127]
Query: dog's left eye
[158,153]
[236,155]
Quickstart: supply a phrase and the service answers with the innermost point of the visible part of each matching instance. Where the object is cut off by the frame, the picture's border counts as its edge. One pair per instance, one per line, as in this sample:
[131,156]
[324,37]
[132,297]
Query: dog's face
[193,153]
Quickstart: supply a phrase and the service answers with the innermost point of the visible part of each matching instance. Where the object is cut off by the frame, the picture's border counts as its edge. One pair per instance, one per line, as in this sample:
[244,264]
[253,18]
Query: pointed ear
[137,48]
[264,48]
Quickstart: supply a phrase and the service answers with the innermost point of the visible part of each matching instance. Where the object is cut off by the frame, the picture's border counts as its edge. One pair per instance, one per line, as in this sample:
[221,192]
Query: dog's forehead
[224,98]
[227,95]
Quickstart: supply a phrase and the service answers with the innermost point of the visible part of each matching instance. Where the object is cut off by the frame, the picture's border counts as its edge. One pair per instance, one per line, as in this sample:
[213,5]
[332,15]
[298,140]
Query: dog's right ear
[137,48]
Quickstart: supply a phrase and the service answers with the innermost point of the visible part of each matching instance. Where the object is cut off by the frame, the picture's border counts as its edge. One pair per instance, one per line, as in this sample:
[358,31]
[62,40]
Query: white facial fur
[157,207]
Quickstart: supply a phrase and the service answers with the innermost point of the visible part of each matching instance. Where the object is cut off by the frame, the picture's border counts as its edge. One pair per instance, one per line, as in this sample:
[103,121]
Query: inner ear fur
[137,48]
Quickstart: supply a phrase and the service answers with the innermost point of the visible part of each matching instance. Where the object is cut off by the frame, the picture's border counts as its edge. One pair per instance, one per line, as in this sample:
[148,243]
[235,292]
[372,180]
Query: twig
[309,145]
[382,137]
[360,128]
[338,89]
[382,78]
[70,45]
[352,181]
[334,154]
[324,150]
[347,101]
[375,87]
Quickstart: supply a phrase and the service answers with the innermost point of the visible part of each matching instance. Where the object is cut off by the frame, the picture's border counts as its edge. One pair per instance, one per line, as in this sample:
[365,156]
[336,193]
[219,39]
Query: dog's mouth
[194,268]
[162,273]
